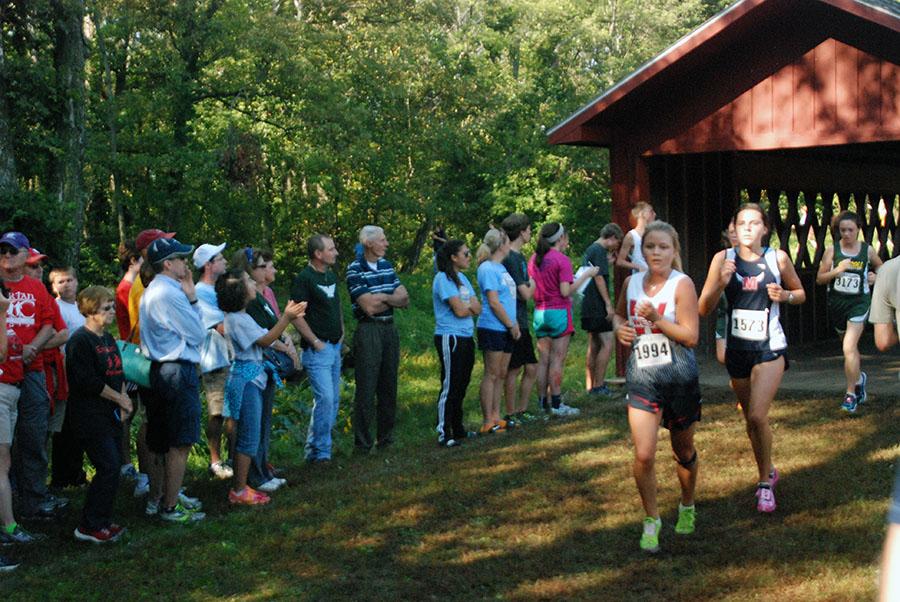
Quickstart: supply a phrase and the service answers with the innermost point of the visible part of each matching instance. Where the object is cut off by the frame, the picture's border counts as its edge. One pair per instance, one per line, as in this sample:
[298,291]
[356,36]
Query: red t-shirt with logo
[30,309]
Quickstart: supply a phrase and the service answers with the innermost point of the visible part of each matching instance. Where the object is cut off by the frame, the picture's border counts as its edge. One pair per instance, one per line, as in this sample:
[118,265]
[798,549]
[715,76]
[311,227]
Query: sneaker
[190,503]
[564,411]
[128,471]
[220,470]
[141,485]
[247,497]
[490,429]
[182,515]
[510,421]
[104,535]
[19,535]
[449,443]
[650,536]
[850,403]
[861,387]
[152,508]
[270,485]
[7,565]
[52,502]
[602,390]
[527,416]
[765,498]
[687,516]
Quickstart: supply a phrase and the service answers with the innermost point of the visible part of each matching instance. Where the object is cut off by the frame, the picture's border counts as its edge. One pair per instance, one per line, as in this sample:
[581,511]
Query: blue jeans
[247,438]
[259,465]
[324,371]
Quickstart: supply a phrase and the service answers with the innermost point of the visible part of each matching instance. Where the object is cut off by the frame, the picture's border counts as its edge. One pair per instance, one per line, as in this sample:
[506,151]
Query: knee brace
[689,463]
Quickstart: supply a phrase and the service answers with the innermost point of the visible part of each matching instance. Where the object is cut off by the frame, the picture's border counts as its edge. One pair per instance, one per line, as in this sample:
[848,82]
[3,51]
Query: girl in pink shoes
[248,376]
[756,280]
[657,317]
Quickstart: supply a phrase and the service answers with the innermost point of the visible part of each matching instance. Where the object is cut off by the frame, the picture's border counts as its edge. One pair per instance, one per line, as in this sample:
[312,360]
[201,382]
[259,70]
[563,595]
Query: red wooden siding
[833,94]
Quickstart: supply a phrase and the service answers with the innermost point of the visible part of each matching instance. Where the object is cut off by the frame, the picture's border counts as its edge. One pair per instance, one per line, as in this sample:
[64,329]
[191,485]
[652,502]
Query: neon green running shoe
[650,536]
[687,516]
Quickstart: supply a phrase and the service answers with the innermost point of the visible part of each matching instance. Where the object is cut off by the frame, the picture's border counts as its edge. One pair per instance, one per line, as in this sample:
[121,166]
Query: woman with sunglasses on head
[554,286]
[96,407]
[657,317]
[259,265]
[848,268]
[455,303]
[756,280]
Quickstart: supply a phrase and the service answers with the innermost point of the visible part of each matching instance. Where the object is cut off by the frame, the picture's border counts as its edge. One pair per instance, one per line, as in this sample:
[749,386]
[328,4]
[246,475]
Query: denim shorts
[248,425]
[178,387]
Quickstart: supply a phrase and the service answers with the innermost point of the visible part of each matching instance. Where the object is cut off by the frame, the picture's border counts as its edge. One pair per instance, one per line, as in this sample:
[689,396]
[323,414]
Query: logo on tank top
[751,283]
[643,325]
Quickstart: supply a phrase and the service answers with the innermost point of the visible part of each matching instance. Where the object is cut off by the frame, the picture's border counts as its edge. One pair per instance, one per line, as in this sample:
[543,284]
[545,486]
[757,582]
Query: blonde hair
[661,226]
[639,208]
[492,241]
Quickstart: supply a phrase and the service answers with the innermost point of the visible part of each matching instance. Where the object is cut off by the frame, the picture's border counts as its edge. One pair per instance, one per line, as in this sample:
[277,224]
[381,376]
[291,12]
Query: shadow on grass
[547,511]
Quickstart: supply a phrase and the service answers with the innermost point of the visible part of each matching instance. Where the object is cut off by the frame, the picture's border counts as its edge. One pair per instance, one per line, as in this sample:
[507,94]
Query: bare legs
[645,435]
[519,403]
[851,354]
[551,357]
[495,365]
[599,351]
[756,394]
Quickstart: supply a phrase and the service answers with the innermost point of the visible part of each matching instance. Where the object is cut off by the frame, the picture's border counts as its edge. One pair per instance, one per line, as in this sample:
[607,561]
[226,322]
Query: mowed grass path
[546,511]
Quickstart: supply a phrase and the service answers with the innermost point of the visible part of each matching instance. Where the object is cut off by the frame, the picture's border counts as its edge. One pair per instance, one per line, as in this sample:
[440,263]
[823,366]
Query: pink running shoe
[765,499]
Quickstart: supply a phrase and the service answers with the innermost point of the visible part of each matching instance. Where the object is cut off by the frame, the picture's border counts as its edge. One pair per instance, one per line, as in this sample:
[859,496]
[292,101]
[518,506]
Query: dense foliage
[264,121]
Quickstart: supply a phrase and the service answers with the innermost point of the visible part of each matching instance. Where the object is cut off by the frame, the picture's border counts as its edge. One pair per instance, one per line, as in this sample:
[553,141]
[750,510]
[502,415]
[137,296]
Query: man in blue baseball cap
[171,336]
[29,321]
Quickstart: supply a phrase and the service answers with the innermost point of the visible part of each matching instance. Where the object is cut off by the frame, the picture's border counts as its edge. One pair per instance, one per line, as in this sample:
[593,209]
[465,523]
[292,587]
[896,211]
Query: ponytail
[493,240]
[550,233]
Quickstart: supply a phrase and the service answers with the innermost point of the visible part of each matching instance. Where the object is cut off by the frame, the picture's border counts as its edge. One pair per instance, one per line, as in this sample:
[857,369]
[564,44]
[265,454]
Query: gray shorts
[9,412]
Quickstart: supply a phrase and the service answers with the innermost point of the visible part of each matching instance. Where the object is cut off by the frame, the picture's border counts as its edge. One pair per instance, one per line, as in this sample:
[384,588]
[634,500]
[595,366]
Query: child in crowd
[96,406]
[248,377]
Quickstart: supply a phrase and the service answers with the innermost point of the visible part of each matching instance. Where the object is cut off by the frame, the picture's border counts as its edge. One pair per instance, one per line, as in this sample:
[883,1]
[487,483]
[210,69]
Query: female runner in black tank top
[756,346]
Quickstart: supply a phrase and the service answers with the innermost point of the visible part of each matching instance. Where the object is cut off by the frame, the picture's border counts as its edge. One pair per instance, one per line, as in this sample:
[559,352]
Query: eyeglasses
[8,250]
[108,307]
[466,254]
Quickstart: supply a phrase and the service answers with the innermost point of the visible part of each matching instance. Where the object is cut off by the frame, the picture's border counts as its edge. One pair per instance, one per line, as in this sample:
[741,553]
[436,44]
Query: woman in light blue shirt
[497,325]
[454,303]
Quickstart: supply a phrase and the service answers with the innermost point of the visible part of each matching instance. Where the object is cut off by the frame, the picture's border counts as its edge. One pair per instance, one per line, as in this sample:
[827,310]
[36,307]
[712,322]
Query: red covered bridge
[792,102]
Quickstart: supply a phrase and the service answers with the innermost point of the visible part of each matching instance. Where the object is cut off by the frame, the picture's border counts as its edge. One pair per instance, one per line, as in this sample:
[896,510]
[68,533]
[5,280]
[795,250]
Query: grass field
[545,511]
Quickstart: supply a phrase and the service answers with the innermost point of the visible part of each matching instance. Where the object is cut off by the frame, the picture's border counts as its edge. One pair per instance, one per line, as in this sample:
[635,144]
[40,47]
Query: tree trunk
[412,256]
[110,92]
[8,183]
[68,180]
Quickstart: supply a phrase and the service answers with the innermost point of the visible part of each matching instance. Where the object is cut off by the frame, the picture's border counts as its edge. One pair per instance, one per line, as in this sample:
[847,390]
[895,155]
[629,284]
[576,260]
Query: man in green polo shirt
[322,329]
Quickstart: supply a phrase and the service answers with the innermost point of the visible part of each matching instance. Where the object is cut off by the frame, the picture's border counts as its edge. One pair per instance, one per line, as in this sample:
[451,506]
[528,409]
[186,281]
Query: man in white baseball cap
[215,355]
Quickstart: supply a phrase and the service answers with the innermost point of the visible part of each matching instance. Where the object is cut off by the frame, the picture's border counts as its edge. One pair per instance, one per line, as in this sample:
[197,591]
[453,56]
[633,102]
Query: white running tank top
[637,255]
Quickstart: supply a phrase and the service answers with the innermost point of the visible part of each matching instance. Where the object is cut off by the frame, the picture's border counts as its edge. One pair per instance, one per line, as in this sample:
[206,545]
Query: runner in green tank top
[849,269]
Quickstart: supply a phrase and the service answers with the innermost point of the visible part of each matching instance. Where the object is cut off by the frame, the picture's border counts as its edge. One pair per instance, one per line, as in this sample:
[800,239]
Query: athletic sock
[10,527]
[556,400]
[543,401]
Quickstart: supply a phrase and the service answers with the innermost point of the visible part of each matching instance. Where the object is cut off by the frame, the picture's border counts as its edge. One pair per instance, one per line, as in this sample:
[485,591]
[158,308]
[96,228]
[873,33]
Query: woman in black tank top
[755,355]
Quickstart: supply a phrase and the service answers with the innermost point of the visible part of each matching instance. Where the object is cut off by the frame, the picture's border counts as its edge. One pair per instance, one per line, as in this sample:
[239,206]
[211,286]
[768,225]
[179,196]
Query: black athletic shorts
[740,363]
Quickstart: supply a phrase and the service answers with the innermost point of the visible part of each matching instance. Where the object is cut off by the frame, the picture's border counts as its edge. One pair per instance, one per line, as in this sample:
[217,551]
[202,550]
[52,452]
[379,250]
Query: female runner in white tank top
[630,255]
[756,280]
[657,318]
